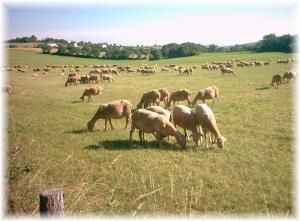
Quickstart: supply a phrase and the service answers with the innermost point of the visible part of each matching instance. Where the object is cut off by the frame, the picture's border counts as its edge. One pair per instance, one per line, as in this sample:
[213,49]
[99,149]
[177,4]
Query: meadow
[101,173]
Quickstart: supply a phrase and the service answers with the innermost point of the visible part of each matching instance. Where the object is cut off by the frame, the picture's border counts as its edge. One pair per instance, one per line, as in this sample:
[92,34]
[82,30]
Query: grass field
[102,173]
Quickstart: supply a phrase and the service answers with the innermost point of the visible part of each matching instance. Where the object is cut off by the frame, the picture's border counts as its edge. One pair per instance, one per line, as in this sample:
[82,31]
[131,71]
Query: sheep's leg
[90,98]
[105,124]
[109,120]
[126,123]
[131,132]
[205,139]
[141,136]
[186,134]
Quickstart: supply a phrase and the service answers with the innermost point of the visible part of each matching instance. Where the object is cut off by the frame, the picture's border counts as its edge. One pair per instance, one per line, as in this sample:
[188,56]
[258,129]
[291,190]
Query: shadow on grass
[78,131]
[126,144]
[76,102]
[262,88]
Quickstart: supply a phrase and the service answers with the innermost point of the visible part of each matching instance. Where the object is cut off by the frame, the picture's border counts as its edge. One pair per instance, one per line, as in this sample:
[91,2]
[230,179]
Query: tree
[46,49]
[212,48]
[155,54]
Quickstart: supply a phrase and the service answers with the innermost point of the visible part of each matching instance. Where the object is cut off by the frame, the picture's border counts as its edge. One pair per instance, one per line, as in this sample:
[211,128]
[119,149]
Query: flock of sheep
[149,117]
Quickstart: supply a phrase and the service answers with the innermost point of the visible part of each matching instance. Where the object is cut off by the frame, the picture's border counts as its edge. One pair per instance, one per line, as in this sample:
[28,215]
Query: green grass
[102,173]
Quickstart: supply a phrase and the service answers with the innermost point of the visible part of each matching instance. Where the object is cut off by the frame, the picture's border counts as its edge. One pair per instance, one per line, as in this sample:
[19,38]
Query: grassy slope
[100,172]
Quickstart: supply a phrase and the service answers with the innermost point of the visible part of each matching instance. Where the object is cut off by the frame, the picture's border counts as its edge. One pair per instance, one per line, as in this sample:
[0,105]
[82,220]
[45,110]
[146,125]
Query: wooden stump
[51,203]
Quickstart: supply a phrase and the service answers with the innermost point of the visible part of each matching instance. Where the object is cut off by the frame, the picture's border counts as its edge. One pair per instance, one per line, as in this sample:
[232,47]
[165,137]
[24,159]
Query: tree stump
[51,203]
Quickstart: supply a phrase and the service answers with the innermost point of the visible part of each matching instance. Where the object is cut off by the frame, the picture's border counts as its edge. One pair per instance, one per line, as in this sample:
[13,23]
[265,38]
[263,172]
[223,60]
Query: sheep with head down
[96,90]
[148,98]
[276,80]
[164,95]
[184,117]
[206,120]
[207,93]
[114,110]
[150,122]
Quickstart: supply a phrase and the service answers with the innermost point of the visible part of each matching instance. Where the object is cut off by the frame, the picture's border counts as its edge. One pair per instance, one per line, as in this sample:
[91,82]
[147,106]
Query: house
[53,45]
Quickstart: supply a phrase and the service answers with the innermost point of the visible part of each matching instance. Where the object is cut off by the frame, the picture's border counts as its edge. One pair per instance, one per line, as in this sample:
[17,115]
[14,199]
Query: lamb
[205,118]
[289,75]
[184,117]
[97,90]
[207,93]
[164,95]
[276,79]
[116,109]
[226,70]
[149,97]
[180,95]
[150,122]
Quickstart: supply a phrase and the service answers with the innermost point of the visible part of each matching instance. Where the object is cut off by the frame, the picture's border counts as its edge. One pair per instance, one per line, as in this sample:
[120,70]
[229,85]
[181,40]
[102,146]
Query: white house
[53,45]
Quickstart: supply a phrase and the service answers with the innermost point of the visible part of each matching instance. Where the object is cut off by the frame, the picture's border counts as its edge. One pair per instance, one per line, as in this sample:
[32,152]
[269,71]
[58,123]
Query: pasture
[48,144]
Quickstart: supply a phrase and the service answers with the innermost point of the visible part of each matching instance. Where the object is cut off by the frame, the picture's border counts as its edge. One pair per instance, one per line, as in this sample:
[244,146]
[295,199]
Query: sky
[148,23]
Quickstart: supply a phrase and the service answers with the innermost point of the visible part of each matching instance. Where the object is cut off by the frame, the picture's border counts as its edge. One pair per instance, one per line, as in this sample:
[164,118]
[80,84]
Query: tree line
[269,43]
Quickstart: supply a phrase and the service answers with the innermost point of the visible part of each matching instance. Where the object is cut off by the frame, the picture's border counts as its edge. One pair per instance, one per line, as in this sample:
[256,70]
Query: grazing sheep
[276,79]
[7,89]
[97,90]
[180,95]
[148,98]
[107,77]
[205,118]
[207,93]
[73,79]
[115,109]
[34,75]
[291,74]
[226,70]
[164,95]
[150,122]
[184,117]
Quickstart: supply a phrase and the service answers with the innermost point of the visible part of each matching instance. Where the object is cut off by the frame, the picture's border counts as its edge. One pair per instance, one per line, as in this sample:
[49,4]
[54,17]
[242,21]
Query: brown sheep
[207,93]
[184,117]
[164,95]
[150,122]
[180,95]
[115,109]
[73,80]
[107,77]
[276,79]
[97,90]
[205,118]
[291,74]
[148,98]
[226,70]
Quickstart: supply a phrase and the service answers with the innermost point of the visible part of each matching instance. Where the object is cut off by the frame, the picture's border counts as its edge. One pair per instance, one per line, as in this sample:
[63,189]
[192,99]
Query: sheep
[73,79]
[205,118]
[207,93]
[116,109]
[107,77]
[160,110]
[289,75]
[164,95]
[150,122]
[149,97]
[180,95]
[226,70]
[164,69]
[7,89]
[97,90]
[184,117]
[276,79]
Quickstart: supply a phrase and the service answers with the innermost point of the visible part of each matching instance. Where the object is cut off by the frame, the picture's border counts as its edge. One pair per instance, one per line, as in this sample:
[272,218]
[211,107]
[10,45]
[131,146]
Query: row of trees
[269,43]
[33,39]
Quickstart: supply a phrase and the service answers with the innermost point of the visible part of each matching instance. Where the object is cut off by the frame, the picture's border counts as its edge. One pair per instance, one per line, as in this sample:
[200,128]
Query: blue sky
[133,23]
